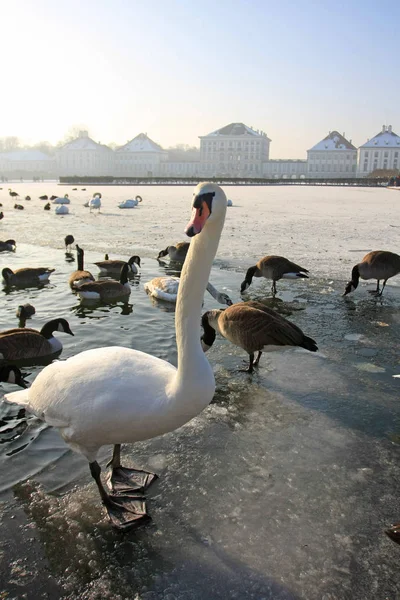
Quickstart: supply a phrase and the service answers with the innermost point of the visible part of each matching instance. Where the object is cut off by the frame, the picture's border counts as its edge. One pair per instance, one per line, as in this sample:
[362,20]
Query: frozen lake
[283,486]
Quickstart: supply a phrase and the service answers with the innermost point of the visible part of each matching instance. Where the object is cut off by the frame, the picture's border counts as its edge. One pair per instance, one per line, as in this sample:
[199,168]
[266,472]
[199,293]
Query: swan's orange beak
[197,222]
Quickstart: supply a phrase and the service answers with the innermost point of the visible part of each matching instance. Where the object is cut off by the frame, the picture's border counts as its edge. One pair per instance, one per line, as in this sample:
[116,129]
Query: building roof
[140,143]
[236,129]
[84,142]
[333,141]
[384,139]
[24,155]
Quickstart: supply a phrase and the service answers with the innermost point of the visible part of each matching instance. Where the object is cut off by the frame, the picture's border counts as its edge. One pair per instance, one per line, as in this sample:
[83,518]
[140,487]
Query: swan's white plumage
[163,288]
[135,396]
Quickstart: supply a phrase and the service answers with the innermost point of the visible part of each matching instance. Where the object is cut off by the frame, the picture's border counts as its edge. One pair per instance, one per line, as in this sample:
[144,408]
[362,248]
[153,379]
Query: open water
[282,487]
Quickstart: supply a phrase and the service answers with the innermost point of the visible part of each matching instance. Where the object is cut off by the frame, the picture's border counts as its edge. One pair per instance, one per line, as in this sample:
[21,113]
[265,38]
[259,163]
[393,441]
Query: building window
[365,166]
[366,155]
[376,154]
[386,154]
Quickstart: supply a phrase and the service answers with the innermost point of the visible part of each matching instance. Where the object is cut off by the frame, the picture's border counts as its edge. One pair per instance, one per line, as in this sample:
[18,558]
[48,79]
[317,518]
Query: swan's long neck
[193,366]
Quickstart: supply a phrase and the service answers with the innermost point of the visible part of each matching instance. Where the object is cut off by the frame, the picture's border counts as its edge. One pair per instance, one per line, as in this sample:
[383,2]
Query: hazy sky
[177,69]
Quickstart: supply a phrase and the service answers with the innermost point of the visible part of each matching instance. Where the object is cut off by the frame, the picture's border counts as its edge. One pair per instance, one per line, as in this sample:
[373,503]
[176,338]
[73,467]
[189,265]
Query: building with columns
[380,152]
[235,150]
[334,156]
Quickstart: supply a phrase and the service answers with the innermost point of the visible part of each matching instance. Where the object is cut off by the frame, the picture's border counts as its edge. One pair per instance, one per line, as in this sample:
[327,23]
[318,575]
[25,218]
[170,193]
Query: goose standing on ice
[135,396]
[275,268]
[12,194]
[80,276]
[255,328]
[379,264]
[166,288]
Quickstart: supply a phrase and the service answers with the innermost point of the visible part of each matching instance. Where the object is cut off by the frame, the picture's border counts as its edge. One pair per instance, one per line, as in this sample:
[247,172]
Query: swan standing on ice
[136,396]
[95,202]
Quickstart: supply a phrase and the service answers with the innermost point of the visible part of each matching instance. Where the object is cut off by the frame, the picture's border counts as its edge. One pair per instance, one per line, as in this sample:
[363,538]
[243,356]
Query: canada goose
[27,197]
[176,253]
[19,207]
[25,311]
[13,194]
[53,197]
[80,276]
[394,533]
[27,344]
[108,289]
[135,396]
[107,266]
[45,197]
[253,327]
[275,268]
[27,276]
[166,288]
[379,264]
[8,246]
[11,374]
[68,241]
[47,206]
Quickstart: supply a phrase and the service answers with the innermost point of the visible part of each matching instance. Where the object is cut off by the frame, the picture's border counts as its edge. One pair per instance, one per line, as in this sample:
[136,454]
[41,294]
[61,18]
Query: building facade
[334,156]
[84,156]
[380,152]
[27,163]
[235,150]
[141,157]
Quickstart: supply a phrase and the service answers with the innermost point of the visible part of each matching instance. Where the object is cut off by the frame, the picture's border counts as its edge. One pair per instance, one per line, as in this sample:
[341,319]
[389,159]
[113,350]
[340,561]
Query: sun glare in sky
[177,70]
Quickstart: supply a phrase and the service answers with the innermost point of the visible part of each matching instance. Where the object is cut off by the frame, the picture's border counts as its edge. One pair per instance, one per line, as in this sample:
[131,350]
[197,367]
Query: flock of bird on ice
[137,396]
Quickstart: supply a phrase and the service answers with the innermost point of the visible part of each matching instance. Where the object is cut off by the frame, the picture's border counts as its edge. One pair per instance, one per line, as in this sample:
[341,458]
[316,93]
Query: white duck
[136,396]
[166,288]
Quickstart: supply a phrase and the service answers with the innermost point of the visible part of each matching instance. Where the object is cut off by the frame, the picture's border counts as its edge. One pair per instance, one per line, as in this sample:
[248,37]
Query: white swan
[128,204]
[136,396]
[166,288]
[95,202]
[63,200]
[62,210]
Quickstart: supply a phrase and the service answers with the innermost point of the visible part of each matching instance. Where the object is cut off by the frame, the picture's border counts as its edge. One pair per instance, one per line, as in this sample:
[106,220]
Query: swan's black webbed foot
[126,511]
[123,480]
[394,533]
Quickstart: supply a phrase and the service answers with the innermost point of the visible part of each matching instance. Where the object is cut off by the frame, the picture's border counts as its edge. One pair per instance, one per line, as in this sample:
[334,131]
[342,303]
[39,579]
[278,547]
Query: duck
[107,289]
[379,264]
[27,276]
[44,197]
[12,374]
[47,206]
[166,288]
[80,276]
[27,197]
[1,215]
[19,206]
[68,241]
[136,396]
[24,312]
[254,327]
[108,267]
[275,268]
[30,344]
[8,246]
[176,253]
[53,197]
[74,189]
[12,194]
[95,202]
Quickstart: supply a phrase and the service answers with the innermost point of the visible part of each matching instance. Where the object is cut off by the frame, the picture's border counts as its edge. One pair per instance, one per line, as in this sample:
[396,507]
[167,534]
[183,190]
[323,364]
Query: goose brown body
[27,276]
[176,253]
[378,264]
[109,289]
[21,344]
[254,327]
[275,268]
[115,266]
[80,276]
